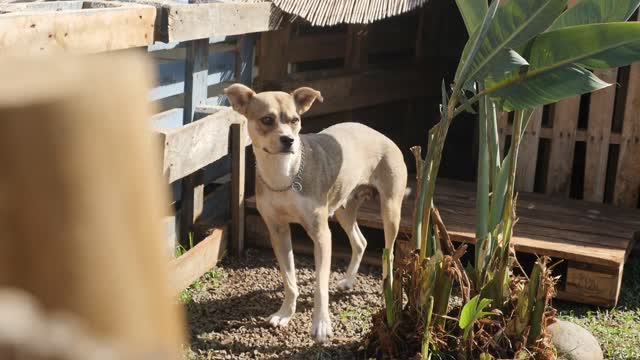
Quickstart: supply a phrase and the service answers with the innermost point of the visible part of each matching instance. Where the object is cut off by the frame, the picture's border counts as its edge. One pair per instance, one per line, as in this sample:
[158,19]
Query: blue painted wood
[170,77]
[159,46]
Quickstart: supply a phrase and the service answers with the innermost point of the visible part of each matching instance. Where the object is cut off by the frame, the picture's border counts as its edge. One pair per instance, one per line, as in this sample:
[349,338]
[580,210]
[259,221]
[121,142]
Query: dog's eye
[295,120]
[267,120]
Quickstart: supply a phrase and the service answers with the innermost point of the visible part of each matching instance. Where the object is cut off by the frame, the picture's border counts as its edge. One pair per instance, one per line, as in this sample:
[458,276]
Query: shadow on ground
[229,320]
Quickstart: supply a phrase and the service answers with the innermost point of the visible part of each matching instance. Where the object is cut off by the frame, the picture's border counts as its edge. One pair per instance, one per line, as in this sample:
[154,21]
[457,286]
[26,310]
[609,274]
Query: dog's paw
[346,284]
[280,319]
[321,329]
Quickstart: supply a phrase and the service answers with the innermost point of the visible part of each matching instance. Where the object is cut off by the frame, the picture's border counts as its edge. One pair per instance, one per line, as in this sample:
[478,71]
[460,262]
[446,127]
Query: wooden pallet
[593,239]
[586,147]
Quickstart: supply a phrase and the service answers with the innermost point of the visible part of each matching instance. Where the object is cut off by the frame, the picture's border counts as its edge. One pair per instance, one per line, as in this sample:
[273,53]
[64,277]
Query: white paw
[280,318]
[346,283]
[321,329]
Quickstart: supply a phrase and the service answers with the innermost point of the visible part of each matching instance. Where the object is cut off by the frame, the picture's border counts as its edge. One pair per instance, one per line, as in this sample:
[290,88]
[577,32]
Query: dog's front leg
[319,232]
[280,235]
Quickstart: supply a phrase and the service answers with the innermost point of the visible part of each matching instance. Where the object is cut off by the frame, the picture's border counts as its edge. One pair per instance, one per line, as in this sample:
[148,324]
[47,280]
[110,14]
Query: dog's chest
[286,207]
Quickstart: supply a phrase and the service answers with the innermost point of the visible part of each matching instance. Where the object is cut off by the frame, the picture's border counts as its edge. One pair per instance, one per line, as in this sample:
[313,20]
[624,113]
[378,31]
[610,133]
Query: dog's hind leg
[280,235]
[347,219]
[390,210]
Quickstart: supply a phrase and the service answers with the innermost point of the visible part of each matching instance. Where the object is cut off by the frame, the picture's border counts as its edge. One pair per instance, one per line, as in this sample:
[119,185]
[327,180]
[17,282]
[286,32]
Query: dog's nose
[286,141]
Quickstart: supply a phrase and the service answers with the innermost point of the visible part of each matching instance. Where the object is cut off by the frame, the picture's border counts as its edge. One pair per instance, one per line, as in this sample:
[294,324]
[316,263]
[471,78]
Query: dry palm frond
[332,12]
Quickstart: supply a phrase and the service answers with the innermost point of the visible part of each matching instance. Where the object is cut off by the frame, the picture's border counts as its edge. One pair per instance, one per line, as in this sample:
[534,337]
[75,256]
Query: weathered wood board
[82,27]
[193,146]
[197,21]
[203,257]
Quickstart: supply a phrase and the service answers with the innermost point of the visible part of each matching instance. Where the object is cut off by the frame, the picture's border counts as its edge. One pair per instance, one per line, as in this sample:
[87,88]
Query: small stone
[574,342]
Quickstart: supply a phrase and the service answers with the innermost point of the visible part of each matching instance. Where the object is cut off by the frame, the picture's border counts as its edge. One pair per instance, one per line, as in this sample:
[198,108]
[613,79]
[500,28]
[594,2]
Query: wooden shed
[376,62]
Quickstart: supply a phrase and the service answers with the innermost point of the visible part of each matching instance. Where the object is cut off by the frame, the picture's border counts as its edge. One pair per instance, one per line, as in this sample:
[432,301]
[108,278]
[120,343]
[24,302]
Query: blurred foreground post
[81,199]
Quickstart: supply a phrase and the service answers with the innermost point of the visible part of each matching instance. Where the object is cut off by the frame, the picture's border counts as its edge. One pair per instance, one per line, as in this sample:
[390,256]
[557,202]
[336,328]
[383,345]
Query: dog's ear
[239,97]
[304,98]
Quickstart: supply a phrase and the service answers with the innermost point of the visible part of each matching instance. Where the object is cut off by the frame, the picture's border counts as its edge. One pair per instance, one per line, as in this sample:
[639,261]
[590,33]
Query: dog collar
[296,183]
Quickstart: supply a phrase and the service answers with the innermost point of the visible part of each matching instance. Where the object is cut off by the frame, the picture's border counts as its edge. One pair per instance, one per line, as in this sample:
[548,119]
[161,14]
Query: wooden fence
[197,50]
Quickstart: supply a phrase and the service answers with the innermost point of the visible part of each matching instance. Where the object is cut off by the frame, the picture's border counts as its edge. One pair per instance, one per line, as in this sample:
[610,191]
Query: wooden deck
[593,239]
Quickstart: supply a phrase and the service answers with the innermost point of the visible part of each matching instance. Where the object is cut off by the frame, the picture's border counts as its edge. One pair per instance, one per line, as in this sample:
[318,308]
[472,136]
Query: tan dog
[305,179]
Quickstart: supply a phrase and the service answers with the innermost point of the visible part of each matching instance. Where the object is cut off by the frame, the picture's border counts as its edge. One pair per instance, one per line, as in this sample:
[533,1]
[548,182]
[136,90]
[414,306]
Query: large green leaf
[514,24]
[472,11]
[596,46]
[596,11]
[555,70]
[543,86]
[471,49]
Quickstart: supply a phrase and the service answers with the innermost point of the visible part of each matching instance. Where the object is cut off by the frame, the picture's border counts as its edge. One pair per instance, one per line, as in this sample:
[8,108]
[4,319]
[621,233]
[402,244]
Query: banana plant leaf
[515,23]
[594,12]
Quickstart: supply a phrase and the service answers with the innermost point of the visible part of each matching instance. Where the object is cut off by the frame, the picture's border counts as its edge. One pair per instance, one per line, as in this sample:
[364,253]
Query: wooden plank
[565,122]
[369,88]
[167,119]
[197,21]
[205,110]
[238,134]
[171,75]
[581,135]
[627,183]
[89,30]
[598,287]
[42,6]
[180,53]
[316,47]
[198,144]
[528,153]
[598,136]
[194,263]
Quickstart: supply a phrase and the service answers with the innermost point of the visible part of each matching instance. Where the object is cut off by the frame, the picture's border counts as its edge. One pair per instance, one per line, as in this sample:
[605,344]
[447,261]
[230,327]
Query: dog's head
[273,116]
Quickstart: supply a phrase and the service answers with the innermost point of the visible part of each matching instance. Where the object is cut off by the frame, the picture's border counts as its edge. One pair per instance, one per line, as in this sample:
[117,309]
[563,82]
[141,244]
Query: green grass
[360,316]
[212,278]
[618,329]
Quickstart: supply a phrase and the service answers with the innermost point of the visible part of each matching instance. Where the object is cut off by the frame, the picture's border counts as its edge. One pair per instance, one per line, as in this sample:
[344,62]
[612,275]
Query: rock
[574,342]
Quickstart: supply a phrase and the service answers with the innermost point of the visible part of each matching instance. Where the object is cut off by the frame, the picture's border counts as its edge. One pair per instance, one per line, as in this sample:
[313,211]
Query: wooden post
[237,187]
[82,199]
[195,91]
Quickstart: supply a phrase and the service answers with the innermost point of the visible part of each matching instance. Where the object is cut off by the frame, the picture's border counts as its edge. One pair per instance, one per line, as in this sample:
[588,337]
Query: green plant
[472,312]
[521,54]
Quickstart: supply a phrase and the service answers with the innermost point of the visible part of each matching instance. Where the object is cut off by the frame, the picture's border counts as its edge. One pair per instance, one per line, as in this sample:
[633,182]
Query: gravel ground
[227,309]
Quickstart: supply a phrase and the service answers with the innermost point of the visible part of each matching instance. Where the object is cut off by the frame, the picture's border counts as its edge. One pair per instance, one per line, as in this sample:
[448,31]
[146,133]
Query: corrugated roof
[332,12]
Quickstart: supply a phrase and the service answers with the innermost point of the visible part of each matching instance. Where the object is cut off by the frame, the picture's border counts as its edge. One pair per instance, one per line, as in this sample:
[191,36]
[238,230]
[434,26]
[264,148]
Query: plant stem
[427,334]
